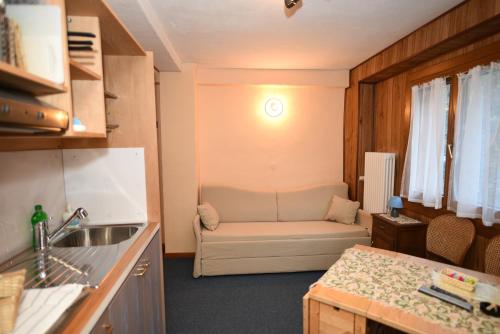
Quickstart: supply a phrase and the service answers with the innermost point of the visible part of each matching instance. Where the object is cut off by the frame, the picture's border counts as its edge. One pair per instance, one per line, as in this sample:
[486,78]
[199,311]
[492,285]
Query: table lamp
[395,203]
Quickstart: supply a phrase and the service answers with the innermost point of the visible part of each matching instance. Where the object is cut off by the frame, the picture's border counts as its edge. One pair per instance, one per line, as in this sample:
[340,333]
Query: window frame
[448,68]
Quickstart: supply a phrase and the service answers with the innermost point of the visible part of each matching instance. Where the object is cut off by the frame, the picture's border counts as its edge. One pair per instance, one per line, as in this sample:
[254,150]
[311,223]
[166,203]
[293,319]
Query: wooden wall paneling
[467,34]
[365,130]
[393,99]
[351,124]
[464,24]
[391,122]
[131,78]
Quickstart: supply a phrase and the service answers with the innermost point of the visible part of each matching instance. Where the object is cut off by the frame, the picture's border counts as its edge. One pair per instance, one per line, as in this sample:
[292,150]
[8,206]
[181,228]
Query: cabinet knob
[108,328]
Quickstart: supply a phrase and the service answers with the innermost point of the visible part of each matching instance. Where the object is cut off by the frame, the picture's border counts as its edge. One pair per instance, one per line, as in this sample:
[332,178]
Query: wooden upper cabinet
[87,84]
[116,39]
[83,93]
[22,79]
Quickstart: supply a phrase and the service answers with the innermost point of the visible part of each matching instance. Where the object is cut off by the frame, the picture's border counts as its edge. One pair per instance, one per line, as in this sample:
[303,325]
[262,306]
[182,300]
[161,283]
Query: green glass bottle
[37,217]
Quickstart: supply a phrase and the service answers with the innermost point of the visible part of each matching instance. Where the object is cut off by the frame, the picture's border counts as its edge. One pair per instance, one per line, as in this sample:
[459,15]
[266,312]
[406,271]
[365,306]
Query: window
[425,163]
[475,172]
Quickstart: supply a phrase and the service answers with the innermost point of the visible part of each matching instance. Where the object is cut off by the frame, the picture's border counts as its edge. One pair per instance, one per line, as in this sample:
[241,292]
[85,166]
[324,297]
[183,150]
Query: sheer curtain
[423,174]
[475,175]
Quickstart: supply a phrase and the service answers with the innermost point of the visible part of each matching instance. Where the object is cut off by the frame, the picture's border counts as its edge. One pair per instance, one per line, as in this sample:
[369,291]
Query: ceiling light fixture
[274,107]
[290,3]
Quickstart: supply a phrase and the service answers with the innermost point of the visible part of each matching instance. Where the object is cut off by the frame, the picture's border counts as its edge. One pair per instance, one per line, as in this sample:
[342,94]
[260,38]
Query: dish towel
[41,308]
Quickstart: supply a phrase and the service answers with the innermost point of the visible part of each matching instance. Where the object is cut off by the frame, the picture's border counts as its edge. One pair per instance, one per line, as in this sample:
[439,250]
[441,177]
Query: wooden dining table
[373,286]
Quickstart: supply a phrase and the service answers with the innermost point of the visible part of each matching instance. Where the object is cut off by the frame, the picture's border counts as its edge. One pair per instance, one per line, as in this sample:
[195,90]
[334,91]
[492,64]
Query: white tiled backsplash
[109,183]
[27,178]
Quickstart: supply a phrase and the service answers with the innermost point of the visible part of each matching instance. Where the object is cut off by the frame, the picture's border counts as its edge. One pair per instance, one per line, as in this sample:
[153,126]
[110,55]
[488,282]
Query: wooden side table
[403,235]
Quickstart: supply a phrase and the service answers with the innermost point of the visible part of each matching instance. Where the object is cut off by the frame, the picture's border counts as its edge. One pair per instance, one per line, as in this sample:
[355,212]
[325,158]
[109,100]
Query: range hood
[21,113]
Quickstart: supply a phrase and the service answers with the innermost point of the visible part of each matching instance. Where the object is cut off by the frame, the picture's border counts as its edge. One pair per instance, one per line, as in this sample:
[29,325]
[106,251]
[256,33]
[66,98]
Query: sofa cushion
[342,210]
[237,205]
[282,231]
[308,204]
[279,248]
[208,216]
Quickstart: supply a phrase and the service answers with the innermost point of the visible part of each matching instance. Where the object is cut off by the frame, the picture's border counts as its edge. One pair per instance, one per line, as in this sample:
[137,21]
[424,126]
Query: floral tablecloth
[394,282]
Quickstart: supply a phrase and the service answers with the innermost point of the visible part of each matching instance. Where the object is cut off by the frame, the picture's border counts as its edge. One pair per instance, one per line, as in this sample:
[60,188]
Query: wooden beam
[462,39]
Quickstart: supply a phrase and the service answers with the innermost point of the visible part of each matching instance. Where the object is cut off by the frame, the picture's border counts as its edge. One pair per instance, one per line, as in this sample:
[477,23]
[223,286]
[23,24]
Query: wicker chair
[449,238]
[492,257]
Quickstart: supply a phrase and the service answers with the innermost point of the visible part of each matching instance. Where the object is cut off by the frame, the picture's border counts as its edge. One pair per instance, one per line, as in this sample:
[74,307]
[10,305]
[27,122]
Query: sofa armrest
[365,219]
[197,257]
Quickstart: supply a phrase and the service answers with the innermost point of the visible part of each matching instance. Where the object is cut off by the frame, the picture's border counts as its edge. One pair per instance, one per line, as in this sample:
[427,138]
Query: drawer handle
[144,263]
[141,271]
[382,227]
[108,328]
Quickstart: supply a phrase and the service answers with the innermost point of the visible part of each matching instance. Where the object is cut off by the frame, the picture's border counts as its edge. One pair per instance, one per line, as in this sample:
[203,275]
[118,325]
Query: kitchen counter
[64,265]
[87,313]
[102,268]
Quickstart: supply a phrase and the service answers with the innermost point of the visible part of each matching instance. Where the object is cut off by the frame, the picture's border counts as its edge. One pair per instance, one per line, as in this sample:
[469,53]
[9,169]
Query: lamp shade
[395,202]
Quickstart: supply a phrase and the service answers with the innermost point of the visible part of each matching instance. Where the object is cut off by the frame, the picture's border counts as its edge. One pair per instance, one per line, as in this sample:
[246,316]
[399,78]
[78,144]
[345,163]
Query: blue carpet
[268,303]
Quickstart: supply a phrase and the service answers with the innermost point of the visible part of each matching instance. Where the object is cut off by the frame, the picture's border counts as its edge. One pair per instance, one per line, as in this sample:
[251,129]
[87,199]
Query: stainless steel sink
[96,236]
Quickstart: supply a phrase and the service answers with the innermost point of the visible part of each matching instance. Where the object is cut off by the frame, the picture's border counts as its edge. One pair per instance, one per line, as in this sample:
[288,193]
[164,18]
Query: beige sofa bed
[266,232]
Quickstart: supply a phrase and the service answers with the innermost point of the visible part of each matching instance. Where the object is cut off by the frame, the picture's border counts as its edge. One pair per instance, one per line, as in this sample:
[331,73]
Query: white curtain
[423,174]
[475,175]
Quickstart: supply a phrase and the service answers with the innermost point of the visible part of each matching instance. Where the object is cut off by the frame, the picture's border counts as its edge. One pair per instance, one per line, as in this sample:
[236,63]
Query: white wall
[28,178]
[179,166]
[214,130]
[240,145]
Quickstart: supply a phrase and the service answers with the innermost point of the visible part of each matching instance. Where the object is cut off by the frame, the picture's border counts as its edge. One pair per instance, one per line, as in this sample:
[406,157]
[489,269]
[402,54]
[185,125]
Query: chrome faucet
[42,235]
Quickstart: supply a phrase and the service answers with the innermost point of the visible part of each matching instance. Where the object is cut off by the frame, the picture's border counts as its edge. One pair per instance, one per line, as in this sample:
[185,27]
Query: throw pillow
[209,216]
[342,210]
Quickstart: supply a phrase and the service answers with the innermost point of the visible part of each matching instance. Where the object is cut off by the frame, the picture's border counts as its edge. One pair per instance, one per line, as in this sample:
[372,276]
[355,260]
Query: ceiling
[322,34]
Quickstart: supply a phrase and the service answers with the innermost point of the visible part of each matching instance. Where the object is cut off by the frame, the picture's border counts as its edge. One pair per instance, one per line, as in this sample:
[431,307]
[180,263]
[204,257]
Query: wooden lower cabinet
[138,305]
[334,320]
[103,325]
[321,318]
[403,238]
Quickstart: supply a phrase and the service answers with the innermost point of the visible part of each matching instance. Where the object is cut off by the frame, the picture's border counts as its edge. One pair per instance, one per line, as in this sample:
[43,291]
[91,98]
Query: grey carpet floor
[268,303]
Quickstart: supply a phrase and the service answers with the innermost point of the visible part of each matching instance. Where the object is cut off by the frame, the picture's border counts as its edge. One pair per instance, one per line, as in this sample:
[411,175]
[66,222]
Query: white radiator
[379,181]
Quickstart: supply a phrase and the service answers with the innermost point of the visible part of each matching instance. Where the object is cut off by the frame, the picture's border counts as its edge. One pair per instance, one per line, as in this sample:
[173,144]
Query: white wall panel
[109,183]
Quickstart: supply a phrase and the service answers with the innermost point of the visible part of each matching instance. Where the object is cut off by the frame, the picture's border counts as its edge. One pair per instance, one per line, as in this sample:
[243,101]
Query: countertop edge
[86,315]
